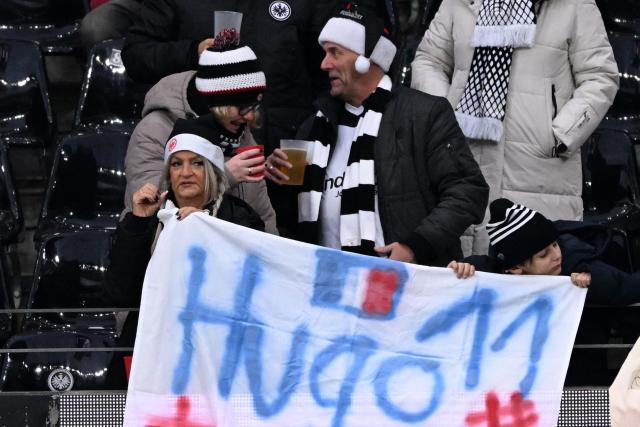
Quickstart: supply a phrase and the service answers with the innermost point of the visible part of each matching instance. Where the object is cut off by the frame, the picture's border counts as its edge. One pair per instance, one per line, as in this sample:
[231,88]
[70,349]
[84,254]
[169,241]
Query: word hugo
[385,283]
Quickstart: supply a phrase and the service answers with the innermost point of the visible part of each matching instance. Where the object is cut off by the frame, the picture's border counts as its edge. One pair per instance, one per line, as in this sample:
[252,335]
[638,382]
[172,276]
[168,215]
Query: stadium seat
[70,270]
[41,12]
[411,37]
[611,186]
[53,24]
[11,223]
[59,371]
[11,220]
[86,188]
[70,274]
[611,165]
[26,118]
[109,98]
[69,277]
[610,171]
[6,320]
[624,114]
[620,15]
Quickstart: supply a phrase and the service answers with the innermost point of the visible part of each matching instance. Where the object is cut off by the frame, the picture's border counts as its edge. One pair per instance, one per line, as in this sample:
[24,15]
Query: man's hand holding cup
[286,165]
[276,163]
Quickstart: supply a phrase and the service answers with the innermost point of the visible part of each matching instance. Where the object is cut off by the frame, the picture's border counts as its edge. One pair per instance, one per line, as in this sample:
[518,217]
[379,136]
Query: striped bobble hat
[230,77]
[517,233]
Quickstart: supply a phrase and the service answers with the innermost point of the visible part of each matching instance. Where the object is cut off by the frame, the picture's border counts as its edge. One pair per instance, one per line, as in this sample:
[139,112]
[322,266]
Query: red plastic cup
[258,154]
[95,3]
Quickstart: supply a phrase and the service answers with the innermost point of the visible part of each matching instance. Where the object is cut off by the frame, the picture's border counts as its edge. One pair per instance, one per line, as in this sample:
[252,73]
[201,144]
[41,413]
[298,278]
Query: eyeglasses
[249,108]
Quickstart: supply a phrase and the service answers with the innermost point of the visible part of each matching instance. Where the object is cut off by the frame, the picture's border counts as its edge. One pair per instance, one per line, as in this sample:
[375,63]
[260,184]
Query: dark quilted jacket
[430,188]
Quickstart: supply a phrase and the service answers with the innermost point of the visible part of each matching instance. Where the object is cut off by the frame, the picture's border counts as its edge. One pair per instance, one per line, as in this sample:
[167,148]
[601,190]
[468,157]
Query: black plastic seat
[626,108]
[59,370]
[610,172]
[70,274]
[26,117]
[409,34]
[70,270]
[11,220]
[86,188]
[620,15]
[41,12]
[53,24]
[611,186]
[109,98]
[6,320]
[10,227]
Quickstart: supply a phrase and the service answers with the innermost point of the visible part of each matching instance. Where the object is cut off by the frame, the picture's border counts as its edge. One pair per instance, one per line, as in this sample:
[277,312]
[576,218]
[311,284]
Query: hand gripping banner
[242,328]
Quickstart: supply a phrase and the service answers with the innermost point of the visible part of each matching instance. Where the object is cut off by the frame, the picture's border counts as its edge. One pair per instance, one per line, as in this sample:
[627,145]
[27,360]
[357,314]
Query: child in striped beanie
[523,241]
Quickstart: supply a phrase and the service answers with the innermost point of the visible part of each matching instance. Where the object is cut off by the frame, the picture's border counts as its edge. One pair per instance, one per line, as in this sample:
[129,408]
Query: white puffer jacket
[559,90]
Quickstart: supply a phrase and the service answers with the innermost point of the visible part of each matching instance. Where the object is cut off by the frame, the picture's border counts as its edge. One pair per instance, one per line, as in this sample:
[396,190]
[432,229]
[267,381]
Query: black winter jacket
[585,248]
[430,189]
[131,252]
[164,40]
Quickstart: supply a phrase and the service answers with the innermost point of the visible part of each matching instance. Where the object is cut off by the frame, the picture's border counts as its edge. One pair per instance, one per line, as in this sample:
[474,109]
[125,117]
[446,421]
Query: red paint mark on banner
[518,413]
[381,285]
[181,419]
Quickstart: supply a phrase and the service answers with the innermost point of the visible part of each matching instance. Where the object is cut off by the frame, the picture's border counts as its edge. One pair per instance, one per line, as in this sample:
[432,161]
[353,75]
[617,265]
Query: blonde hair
[222,112]
[215,185]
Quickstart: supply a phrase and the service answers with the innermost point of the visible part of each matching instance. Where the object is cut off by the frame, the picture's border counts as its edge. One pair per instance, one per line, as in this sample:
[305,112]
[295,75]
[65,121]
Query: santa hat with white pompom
[363,32]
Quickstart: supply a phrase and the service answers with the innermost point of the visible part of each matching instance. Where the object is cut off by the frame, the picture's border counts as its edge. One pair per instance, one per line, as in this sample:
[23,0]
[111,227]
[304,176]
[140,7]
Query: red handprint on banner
[181,419]
[518,413]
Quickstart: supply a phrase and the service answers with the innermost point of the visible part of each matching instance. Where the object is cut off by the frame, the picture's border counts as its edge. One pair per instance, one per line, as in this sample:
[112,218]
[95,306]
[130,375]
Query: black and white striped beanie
[363,32]
[230,77]
[517,233]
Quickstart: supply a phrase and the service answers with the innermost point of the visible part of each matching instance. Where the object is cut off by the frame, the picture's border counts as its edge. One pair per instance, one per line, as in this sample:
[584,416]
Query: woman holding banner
[194,181]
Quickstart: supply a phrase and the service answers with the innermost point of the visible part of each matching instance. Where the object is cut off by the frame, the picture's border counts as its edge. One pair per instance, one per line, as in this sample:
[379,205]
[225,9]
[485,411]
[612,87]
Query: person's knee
[107,21]
[95,27]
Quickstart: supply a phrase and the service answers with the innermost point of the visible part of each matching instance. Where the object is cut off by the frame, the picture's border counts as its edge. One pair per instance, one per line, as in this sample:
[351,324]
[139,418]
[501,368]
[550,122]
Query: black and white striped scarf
[357,211]
[502,25]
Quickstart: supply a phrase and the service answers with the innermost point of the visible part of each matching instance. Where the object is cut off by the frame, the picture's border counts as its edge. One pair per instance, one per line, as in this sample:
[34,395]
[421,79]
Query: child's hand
[462,269]
[582,280]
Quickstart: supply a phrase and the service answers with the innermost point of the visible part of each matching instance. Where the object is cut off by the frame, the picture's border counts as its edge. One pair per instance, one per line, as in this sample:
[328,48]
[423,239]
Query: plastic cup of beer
[226,24]
[296,151]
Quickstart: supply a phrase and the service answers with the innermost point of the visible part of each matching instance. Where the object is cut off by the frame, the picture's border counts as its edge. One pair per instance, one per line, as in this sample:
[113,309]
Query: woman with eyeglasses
[223,95]
[232,122]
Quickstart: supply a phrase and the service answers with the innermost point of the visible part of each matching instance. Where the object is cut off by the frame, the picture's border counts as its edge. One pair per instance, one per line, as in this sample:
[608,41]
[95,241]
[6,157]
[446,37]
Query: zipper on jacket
[584,118]
[554,103]
[555,152]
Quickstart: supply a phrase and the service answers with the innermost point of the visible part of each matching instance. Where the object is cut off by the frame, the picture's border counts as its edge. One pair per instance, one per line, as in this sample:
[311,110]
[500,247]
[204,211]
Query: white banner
[242,328]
